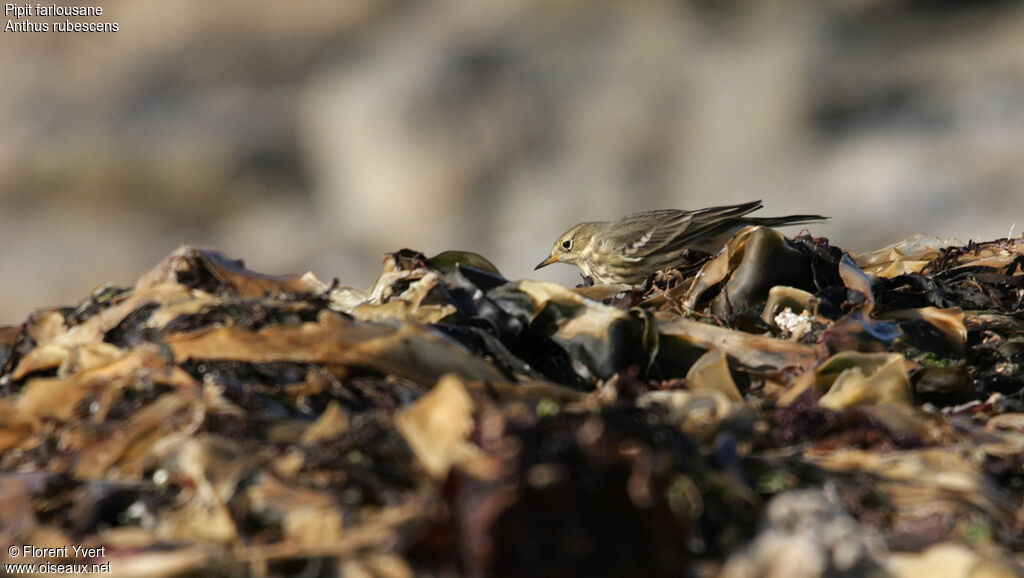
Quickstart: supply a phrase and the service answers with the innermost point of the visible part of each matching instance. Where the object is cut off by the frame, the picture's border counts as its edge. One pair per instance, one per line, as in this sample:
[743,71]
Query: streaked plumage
[630,248]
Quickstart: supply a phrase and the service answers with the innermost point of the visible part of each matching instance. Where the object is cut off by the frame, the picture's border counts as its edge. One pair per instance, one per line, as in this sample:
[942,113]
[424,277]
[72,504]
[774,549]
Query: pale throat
[586,260]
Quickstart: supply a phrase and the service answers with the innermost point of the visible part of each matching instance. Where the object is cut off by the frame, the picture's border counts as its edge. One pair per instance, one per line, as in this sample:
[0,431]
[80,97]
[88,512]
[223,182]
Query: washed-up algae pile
[781,409]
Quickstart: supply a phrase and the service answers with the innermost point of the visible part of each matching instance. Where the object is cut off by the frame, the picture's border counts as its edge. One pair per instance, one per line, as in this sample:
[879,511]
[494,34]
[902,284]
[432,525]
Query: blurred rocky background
[320,135]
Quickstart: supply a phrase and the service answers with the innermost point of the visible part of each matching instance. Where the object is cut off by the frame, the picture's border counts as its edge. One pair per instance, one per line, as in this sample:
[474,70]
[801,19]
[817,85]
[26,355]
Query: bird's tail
[784,221]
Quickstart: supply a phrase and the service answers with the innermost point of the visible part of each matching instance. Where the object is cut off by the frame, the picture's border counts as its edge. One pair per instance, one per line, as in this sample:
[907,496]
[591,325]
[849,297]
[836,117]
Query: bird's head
[572,247]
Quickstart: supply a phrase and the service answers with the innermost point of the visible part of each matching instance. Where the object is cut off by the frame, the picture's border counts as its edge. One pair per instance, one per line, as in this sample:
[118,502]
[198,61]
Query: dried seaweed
[449,421]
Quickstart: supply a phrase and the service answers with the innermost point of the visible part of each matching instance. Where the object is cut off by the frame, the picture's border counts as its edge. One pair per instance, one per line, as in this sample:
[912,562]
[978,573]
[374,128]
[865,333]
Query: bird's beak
[546,262]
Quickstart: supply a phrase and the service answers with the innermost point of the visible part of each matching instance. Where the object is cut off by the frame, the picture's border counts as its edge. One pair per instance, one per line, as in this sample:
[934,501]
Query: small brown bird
[630,248]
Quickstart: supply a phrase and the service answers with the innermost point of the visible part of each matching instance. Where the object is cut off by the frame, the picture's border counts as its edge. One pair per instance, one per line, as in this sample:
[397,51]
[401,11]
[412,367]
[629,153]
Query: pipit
[629,249]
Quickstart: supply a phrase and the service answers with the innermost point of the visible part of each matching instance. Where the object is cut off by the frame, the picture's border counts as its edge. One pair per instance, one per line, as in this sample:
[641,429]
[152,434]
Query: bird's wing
[711,222]
[636,236]
[642,234]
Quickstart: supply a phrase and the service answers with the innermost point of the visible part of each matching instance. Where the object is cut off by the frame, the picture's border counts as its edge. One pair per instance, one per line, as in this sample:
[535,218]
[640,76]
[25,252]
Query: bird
[629,249]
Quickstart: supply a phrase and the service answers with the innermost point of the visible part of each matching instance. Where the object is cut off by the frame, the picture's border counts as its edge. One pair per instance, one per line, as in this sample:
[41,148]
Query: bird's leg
[666,292]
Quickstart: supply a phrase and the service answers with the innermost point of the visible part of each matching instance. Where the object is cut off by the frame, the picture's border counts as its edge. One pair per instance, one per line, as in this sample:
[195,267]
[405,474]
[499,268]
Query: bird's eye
[567,244]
